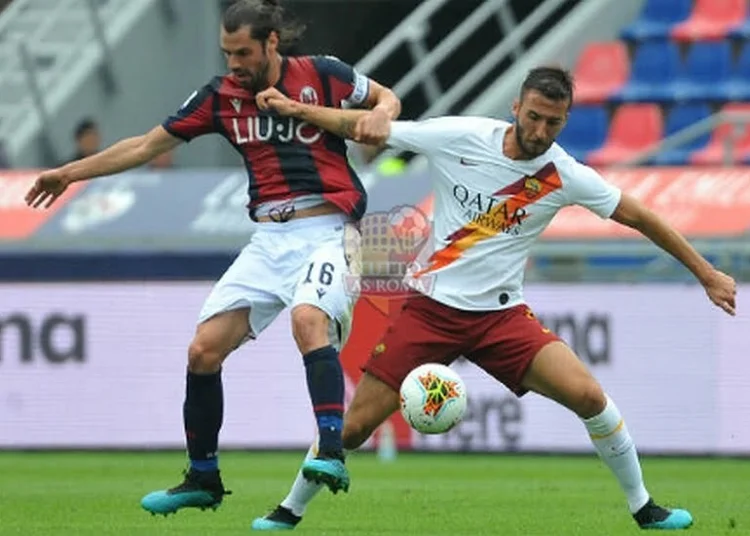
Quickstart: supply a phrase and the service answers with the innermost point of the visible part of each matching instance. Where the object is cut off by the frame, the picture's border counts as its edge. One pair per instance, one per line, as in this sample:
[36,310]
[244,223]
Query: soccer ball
[433,398]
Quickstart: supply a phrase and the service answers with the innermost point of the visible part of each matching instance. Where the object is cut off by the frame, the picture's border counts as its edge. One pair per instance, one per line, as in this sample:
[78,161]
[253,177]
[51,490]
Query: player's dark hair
[263,17]
[554,83]
[85,125]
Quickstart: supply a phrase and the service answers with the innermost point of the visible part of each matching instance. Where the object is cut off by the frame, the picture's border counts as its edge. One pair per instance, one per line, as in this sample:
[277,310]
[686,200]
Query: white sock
[615,447]
[303,491]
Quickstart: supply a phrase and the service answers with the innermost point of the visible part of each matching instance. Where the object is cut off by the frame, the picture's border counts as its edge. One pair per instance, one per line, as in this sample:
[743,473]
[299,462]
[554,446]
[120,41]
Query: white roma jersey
[489,209]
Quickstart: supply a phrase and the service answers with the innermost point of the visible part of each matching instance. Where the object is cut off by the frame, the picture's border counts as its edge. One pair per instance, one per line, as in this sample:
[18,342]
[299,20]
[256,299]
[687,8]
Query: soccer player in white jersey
[518,179]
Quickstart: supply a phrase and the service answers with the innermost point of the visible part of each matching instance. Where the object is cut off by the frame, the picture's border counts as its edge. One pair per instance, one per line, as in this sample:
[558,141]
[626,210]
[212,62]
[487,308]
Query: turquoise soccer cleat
[280,519]
[654,517]
[329,471]
[198,490]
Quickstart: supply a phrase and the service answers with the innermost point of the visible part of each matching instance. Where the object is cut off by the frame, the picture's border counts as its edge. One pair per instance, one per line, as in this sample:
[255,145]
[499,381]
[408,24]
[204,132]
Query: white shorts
[303,261]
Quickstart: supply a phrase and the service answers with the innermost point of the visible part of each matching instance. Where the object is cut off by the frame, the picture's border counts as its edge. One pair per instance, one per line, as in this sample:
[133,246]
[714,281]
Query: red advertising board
[18,221]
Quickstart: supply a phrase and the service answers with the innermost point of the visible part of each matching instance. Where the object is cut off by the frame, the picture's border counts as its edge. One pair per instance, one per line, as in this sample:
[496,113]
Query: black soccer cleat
[280,519]
[654,517]
[200,489]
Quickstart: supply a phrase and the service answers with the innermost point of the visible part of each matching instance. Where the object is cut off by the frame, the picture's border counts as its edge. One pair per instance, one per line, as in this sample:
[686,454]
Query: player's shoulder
[327,65]
[562,159]
[569,169]
[204,92]
[464,124]
[216,84]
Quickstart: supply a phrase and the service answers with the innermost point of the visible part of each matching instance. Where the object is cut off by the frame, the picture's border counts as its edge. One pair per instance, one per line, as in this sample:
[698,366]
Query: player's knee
[590,400]
[202,358]
[354,434]
[310,328]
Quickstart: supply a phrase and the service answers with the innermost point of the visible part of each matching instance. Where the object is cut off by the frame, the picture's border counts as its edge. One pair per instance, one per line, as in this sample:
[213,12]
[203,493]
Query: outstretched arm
[125,154]
[342,123]
[721,288]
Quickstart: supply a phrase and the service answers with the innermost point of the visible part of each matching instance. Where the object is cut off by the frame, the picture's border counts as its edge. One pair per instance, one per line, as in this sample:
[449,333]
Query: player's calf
[355,433]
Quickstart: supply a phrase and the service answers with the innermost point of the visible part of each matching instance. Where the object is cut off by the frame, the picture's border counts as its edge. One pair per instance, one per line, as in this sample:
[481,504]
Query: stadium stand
[623,141]
[678,63]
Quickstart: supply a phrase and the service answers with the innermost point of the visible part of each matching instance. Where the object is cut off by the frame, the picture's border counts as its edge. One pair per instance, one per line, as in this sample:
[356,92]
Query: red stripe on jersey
[339,91]
[242,128]
[341,185]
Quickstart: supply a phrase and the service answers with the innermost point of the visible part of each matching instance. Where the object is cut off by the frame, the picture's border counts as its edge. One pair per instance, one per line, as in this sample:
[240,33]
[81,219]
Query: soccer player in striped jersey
[306,200]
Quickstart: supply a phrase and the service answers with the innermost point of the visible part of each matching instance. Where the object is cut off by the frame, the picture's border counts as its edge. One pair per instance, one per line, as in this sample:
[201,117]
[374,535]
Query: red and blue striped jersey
[284,157]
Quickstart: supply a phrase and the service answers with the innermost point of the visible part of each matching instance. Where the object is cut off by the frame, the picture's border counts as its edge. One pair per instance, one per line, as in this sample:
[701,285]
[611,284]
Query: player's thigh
[507,343]
[254,282]
[373,402]
[324,284]
[558,374]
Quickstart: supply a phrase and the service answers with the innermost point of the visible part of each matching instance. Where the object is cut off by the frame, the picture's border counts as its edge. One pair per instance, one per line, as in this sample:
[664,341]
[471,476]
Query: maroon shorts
[503,343]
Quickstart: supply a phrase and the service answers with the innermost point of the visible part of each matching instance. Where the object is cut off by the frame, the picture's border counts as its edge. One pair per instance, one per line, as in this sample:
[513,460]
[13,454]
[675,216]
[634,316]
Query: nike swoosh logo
[465,162]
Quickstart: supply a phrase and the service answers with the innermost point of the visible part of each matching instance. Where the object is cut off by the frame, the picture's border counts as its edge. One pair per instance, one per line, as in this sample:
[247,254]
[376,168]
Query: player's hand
[273,99]
[47,188]
[373,128]
[722,291]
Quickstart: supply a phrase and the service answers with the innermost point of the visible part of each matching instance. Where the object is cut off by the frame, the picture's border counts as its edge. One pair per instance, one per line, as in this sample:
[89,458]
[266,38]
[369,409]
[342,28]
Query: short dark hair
[555,83]
[84,126]
[263,17]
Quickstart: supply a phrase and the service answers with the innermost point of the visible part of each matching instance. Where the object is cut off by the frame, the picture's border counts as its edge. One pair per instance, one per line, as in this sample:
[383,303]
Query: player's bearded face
[254,77]
[248,58]
[258,80]
[538,122]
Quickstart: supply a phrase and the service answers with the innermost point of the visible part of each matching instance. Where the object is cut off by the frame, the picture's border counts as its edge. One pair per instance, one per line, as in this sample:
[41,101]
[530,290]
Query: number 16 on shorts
[320,274]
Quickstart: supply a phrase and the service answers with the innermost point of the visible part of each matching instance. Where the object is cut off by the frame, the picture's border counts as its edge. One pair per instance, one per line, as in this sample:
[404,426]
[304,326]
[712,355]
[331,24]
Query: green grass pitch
[98,494]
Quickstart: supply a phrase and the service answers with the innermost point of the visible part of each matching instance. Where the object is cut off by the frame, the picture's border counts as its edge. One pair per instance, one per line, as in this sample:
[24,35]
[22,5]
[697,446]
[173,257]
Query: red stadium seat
[713,153]
[634,128]
[711,20]
[601,70]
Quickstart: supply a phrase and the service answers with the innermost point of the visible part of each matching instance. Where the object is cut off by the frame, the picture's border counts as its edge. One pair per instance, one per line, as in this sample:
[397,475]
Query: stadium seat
[601,70]
[704,74]
[585,132]
[713,152]
[737,88]
[657,19]
[655,66]
[679,118]
[711,20]
[742,31]
[634,128]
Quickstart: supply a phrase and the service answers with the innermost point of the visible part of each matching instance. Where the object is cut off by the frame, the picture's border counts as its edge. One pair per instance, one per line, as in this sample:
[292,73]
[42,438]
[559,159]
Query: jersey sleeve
[587,188]
[195,116]
[347,85]
[424,137]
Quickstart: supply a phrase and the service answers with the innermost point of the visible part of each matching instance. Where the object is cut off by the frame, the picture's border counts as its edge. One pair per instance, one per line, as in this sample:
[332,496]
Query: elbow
[389,101]
[631,213]
[143,151]
[396,106]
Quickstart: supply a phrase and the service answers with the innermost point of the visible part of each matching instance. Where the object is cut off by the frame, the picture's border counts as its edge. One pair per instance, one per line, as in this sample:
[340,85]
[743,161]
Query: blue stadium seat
[742,31]
[585,132]
[656,65]
[704,74]
[680,117]
[737,88]
[657,18]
